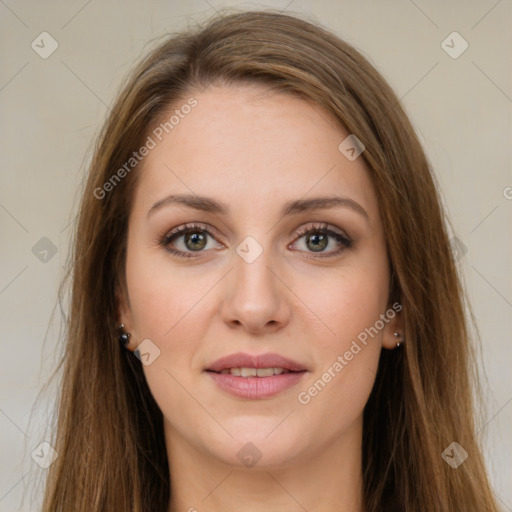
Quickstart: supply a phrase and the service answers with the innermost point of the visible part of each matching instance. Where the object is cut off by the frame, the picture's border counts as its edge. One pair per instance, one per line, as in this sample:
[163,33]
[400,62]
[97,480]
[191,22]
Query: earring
[124,337]
[399,338]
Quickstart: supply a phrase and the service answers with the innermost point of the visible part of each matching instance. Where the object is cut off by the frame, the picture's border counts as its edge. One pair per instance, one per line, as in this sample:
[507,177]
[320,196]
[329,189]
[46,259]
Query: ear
[394,325]
[124,314]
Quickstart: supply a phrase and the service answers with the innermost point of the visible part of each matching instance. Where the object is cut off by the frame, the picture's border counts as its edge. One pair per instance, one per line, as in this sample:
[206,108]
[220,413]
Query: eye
[194,239]
[317,239]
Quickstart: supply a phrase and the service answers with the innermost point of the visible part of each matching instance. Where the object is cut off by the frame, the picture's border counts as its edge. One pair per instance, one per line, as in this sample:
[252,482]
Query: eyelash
[322,229]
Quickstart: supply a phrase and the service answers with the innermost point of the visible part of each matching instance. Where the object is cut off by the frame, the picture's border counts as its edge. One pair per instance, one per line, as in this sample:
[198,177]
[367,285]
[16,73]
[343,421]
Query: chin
[253,447]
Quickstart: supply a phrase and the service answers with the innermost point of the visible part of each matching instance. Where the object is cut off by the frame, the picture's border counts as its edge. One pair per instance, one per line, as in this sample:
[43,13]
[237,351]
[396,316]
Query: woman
[265,313]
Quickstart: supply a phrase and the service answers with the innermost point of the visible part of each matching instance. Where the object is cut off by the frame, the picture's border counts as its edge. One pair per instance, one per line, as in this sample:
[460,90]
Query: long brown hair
[109,430]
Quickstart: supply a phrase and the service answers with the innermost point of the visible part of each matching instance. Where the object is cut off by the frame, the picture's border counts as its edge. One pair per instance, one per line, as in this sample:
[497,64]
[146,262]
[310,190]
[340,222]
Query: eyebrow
[208,204]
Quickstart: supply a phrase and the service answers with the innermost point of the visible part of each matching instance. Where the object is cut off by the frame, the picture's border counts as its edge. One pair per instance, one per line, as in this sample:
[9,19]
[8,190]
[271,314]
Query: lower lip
[256,387]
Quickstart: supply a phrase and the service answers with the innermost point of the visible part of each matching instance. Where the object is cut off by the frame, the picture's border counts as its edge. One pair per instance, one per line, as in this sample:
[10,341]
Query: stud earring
[399,338]
[124,337]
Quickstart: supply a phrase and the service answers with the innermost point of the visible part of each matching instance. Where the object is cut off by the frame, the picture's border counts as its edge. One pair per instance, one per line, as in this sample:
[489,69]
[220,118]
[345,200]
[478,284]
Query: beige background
[52,108]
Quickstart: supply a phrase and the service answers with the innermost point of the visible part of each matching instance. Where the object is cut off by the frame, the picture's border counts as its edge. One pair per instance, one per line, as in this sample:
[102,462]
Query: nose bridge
[252,271]
[254,295]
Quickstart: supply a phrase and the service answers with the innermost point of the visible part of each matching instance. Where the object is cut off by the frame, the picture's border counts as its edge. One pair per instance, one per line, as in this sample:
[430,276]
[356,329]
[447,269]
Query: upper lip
[242,360]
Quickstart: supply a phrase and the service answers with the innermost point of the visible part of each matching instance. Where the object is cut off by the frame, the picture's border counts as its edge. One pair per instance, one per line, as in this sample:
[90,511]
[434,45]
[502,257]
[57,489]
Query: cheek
[347,352]
[166,309]
[347,301]
[169,307]
[162,298]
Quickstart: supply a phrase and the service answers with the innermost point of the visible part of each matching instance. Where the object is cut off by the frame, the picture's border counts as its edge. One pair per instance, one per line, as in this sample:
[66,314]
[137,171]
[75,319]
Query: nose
[256,297]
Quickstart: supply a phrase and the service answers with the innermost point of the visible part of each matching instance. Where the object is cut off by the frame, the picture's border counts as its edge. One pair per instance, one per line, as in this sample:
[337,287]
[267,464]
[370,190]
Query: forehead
[252,149]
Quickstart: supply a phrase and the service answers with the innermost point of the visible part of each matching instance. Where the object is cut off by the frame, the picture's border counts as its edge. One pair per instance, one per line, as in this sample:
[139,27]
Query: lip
[243,360]
[252,388]
[255,387]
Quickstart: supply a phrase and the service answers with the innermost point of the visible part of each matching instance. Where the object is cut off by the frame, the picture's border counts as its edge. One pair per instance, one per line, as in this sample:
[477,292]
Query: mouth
[255,376]
[254,387]
[248,363]
[255,372]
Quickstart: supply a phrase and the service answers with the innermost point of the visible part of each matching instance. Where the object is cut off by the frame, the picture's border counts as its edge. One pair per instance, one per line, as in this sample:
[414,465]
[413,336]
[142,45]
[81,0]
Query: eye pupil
[196,238]
[319,241]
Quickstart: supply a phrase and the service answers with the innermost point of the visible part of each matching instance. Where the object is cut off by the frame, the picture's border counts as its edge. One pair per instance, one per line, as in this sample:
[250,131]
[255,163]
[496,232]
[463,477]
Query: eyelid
[298,232]
[319,226]
[199,226]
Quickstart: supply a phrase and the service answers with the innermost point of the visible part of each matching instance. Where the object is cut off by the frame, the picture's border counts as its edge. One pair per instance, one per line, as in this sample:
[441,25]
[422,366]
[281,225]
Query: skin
[255,150]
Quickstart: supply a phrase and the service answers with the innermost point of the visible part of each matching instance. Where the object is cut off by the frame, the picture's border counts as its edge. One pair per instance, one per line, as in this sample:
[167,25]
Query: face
[254,277]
